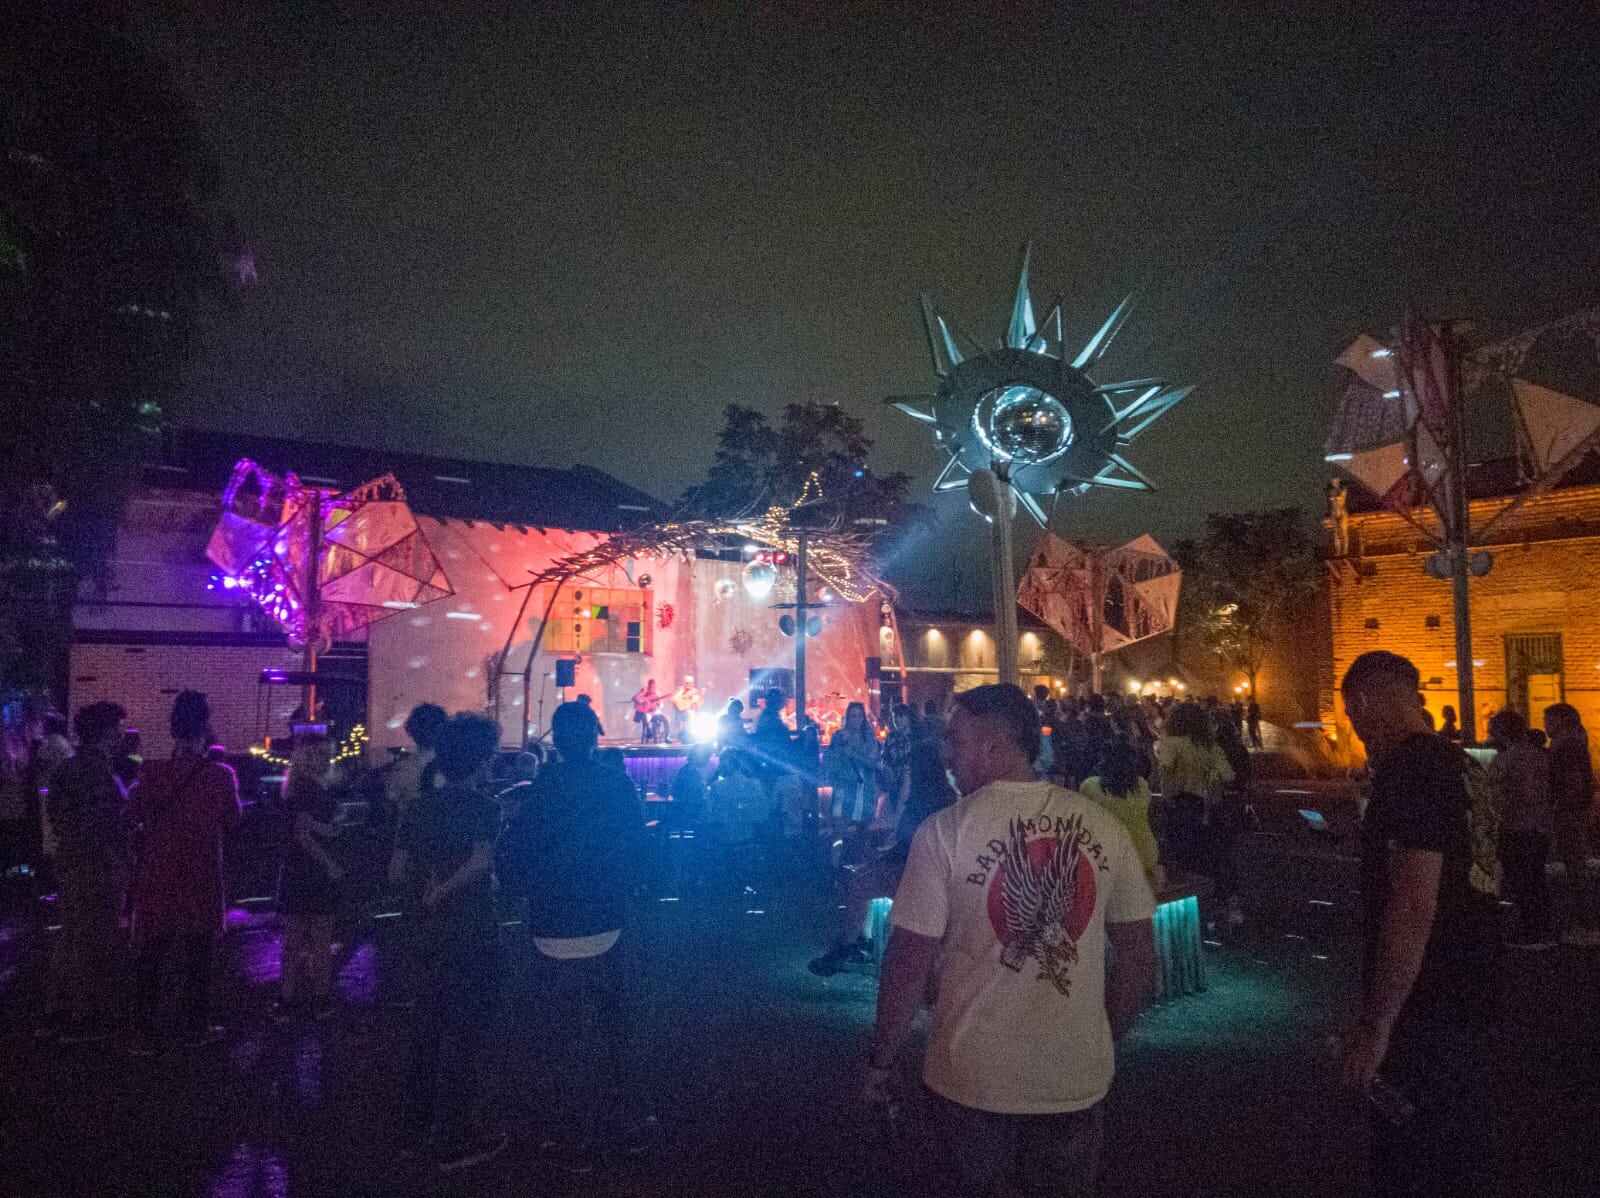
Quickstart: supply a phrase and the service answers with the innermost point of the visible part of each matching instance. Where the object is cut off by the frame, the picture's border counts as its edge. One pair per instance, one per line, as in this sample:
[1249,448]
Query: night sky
[555,233]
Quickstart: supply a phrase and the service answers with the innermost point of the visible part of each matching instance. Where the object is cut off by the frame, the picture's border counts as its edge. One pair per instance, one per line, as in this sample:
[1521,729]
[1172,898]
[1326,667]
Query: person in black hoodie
[576,852]
[449,840]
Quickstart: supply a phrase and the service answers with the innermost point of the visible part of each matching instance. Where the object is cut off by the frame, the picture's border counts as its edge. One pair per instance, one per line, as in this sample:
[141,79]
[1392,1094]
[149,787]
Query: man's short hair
[576,729]
[465,743]
[425,723]
[1381,670]
[1007,709]
[95,720]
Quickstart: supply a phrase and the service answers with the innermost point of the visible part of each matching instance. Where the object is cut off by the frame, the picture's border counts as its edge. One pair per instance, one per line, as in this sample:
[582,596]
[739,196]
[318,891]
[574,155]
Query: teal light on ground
[1178,953]
[877,929]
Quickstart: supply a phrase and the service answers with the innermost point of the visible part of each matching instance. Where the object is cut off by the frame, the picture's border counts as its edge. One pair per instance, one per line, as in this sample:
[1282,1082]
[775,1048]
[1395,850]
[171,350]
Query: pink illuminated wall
[442,652]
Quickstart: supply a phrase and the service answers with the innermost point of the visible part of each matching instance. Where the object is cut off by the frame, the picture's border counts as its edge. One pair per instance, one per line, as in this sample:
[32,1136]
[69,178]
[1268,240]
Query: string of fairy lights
[353,746]
[838,559]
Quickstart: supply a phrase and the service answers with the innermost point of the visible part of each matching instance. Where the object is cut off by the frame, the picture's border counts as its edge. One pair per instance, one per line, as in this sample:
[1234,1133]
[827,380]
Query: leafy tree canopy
[758,465]
[109,250]
[1244,580]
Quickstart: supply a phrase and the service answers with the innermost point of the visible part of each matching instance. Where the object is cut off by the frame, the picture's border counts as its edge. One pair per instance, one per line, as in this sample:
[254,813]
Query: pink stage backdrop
[682,623]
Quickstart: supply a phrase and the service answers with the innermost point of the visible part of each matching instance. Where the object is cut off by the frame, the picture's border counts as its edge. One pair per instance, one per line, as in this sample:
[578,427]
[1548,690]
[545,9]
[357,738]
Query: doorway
[1535,677]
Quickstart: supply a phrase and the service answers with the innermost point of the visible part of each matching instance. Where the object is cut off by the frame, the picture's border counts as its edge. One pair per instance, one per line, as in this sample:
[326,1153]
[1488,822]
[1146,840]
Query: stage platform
[652,767]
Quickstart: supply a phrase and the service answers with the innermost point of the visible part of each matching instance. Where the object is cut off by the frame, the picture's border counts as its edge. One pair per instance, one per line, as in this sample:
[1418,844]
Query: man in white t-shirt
[1009,900]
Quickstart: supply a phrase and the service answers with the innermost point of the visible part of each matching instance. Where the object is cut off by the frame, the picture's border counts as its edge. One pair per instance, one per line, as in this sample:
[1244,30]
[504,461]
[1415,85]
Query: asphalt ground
[750,1063]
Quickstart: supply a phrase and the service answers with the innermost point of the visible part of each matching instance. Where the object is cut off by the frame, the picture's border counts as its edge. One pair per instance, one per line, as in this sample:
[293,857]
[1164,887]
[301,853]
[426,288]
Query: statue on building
[1339,517]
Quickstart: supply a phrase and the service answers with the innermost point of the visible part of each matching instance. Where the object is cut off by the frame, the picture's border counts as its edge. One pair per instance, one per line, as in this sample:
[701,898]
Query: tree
[1245,581]
[757,465]
[108,253]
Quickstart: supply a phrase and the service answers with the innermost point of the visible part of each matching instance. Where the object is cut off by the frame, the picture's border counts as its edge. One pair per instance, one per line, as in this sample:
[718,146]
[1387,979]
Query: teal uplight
[877,926]
[1180,961]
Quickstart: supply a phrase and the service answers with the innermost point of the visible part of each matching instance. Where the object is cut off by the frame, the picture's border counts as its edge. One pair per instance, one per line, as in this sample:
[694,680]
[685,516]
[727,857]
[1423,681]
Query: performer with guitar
[686,700]
[646,705]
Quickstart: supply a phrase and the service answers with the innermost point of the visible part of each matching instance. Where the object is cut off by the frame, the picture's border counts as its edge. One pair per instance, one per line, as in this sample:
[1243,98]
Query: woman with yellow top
[1118,788]
[1199,826]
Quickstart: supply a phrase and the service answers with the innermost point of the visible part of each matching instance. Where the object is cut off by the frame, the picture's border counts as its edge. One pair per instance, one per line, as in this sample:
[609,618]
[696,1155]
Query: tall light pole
[802,613]
[993,499]
[1023,423]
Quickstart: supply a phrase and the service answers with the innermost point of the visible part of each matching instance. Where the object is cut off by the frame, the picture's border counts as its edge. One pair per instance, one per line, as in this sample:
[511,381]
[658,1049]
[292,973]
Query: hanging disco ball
[1024,425]
[725,588]
[759,578]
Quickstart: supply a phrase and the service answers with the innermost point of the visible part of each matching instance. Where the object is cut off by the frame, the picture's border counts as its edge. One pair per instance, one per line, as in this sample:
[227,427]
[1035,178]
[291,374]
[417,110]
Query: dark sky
[559,233]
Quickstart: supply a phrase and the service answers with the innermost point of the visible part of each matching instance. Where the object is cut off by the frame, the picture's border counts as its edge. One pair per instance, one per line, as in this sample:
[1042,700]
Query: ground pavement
[751,1064]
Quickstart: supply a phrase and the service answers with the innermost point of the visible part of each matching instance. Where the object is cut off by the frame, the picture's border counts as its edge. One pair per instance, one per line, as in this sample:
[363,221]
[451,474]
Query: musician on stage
[686,700]
[646,704]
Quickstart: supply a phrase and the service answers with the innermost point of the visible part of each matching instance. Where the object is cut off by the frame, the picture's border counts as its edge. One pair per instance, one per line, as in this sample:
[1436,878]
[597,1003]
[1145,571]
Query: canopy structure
[1099,598]
[322,564]
[836,559]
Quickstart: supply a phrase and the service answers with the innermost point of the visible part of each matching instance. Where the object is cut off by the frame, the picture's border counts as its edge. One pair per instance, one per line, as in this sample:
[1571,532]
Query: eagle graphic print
[1042,895]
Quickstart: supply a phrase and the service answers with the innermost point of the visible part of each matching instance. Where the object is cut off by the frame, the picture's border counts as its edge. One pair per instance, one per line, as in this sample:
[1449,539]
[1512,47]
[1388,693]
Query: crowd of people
[1024,840]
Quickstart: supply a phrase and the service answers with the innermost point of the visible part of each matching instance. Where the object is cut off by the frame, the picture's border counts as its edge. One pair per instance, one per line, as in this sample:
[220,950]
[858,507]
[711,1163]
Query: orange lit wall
[1545,580]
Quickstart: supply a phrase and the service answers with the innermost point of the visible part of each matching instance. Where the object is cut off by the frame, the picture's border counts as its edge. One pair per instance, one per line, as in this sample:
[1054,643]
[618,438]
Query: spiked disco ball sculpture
[1031,413]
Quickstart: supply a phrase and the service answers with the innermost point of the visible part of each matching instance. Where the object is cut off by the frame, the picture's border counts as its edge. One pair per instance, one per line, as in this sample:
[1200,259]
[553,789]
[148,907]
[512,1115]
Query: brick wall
[1545,579]
[146,678]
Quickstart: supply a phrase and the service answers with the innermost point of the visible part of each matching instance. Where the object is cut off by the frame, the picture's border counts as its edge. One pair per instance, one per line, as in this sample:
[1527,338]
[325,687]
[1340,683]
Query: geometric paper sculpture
[1401,432]
[320,563]
[1102,599]
[1028,408]
[1395,422]
[1553,427]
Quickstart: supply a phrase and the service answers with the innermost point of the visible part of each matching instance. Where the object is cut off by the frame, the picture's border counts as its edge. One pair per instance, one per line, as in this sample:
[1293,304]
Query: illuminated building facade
[949,652]
[162,624]
[1535,614]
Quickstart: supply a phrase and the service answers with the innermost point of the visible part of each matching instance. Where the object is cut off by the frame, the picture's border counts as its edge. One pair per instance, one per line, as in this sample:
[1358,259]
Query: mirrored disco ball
[758,579]
[1029,426]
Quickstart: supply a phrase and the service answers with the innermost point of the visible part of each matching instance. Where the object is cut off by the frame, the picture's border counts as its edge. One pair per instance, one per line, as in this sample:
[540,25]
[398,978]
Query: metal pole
[1003,570]
[1458,532]
[1097,619]
[308,697]
[802,612]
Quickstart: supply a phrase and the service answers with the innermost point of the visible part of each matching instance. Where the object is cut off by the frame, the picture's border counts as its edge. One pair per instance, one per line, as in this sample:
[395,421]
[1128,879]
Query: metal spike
[1049,333]
[1030,504]
[1129,385]
[908,405]
[1147,413]
[1139,480]
[1101,341]
[1137,405]
[941,345]
[944,482]
[1022,324]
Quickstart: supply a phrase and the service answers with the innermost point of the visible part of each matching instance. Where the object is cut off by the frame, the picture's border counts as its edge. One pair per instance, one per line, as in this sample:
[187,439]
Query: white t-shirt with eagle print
[1019,880]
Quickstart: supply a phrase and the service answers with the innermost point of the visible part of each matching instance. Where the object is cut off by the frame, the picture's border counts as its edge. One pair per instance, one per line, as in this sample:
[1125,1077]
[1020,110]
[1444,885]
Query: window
[1372,623]
[1431,622]
[596,620]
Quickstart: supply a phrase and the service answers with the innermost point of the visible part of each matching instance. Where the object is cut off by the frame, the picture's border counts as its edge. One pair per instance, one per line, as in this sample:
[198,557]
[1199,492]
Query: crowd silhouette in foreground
[1025,841]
